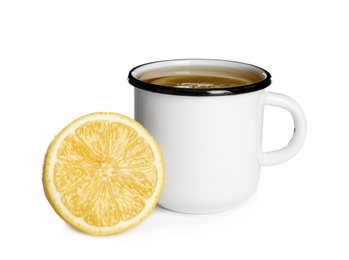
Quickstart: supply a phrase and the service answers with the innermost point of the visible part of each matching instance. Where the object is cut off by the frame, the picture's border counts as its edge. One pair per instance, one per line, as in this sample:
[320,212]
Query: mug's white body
[211,147]
[211,138]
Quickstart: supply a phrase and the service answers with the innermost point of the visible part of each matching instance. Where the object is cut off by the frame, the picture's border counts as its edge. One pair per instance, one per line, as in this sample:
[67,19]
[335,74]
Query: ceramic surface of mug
[210,136]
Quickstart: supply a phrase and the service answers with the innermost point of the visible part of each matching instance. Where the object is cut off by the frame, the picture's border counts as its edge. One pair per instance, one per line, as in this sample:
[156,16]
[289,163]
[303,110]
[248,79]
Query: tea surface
[199,81]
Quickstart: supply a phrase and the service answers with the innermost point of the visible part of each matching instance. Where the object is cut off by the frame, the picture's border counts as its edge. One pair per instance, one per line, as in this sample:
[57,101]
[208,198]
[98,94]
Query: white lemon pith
[103,173]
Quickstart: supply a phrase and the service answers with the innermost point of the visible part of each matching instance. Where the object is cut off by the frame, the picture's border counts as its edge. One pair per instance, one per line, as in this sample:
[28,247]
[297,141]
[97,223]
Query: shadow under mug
[211,139]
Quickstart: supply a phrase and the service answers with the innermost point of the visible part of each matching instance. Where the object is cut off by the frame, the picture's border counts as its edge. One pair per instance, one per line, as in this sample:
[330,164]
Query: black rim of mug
[200,92]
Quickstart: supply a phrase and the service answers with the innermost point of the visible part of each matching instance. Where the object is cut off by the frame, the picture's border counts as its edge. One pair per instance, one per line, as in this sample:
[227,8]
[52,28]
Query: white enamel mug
[211,139]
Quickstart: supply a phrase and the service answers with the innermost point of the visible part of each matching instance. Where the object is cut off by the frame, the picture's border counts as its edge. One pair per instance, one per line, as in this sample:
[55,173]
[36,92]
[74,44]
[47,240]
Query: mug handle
[300,129]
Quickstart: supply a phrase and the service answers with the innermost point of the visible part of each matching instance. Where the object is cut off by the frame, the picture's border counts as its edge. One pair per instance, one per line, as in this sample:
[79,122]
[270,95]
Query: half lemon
[103,173]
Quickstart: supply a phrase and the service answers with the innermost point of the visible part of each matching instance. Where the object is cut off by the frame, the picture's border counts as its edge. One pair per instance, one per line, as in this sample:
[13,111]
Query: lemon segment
[103,173]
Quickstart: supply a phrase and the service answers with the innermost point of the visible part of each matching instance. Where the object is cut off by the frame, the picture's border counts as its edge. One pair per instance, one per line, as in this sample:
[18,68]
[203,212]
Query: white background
[62,59]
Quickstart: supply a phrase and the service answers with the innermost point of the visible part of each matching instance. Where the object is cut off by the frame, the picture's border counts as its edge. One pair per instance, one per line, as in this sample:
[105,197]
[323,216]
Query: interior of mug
[256,77]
